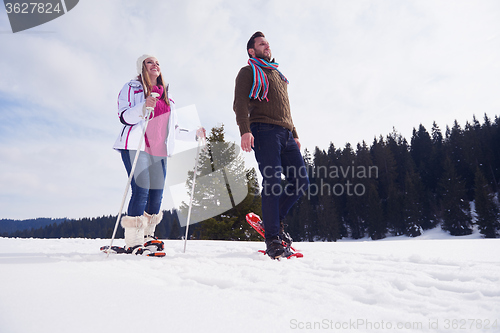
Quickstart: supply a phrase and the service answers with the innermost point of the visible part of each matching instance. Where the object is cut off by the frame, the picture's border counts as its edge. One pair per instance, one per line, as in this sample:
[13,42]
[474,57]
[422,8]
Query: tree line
[97,227]
[391,187]
[220,161]
[8,226]
[403,188]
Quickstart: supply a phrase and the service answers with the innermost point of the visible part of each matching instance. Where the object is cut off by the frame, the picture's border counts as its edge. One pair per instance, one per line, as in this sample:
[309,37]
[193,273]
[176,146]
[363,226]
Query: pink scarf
[156,133]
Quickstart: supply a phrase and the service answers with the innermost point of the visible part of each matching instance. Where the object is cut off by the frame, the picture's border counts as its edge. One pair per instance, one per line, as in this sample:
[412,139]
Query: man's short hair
[251,41]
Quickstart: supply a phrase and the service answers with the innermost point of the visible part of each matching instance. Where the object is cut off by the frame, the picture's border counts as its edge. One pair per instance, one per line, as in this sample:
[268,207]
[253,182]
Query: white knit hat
[141,60]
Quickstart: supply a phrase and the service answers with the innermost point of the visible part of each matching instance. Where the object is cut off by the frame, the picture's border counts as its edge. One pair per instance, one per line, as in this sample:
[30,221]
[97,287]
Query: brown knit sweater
[275,111]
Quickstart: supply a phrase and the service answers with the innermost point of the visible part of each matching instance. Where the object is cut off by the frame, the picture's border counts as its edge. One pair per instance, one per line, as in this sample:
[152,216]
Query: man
[263,116]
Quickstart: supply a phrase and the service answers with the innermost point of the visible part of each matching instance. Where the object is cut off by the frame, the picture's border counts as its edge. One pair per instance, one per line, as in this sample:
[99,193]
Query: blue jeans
[148,182]
[277,153]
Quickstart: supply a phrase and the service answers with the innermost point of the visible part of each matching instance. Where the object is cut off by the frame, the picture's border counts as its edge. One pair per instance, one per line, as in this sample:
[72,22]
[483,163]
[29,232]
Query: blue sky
[357,69]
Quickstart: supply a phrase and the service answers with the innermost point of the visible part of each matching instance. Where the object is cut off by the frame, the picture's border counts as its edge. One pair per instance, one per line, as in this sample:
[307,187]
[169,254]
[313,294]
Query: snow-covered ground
[433,283]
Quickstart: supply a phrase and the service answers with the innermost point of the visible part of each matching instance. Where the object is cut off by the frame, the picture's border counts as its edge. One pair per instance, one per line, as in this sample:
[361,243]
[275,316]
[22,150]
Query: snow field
[432,283]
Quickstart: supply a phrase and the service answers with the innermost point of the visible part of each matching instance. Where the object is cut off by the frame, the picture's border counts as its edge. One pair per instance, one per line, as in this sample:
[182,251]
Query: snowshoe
[287,251]
[153,244]
[256,223]
[288,255]
[274,247]
[137,250]
[114,249]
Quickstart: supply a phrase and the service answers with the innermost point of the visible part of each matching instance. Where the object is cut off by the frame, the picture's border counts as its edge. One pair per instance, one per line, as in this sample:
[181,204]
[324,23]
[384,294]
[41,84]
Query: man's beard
[263,56]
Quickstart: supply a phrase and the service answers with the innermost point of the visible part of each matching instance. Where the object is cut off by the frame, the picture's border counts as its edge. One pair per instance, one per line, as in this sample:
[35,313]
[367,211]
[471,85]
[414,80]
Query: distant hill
[9,226]
[95,227]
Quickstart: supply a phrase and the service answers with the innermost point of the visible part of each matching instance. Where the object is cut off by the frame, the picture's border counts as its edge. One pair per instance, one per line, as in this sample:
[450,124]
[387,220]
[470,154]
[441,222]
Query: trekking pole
[149,112]
[192,193]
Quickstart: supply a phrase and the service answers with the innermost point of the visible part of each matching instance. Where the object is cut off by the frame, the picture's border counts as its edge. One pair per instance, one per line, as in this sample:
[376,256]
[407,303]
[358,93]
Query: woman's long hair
[146,83]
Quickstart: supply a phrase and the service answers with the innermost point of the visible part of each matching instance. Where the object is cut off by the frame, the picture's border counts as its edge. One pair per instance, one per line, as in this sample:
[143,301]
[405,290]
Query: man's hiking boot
[274,247]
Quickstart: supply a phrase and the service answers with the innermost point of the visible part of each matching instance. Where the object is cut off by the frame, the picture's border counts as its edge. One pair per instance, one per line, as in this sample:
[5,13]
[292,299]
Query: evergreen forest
[389,187]
[96,227]
[398,187]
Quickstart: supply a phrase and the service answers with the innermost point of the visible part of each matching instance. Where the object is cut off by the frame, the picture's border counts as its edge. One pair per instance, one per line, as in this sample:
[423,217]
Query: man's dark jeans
[277,153]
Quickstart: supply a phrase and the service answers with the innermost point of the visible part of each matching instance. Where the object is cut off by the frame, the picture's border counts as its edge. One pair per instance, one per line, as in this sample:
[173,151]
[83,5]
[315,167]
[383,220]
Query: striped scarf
[260,82]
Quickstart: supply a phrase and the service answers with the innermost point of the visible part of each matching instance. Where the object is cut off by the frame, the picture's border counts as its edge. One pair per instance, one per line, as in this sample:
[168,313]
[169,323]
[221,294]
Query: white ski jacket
[130,104]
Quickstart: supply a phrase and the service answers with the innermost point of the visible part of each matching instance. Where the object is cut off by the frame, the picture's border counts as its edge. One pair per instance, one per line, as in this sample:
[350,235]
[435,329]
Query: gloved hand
[150,104]
[201,133]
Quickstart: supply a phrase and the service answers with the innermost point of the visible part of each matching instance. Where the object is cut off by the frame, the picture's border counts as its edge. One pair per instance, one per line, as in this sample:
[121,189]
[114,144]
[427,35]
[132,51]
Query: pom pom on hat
[141,60]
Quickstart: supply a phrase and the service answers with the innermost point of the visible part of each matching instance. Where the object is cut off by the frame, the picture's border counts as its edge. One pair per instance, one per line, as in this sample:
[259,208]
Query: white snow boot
[150,241]
[134,234]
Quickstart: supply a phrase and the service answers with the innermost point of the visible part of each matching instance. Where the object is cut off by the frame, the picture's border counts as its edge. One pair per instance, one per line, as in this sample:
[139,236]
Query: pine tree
[457,149]
[494,159]
[456,211]
[176,230]
[366,179]
[353,205]
[328,220]
[376,224]
[487,210]
[421,152]
[489,159]
[413,208]
[426,155]
[435,165]
[224,189]
[304,221]
[390,197]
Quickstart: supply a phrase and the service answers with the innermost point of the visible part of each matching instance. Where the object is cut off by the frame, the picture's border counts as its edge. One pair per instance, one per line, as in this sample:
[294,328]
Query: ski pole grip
[149,108]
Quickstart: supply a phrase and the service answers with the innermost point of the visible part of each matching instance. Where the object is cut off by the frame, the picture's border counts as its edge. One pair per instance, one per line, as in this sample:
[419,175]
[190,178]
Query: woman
[159,140]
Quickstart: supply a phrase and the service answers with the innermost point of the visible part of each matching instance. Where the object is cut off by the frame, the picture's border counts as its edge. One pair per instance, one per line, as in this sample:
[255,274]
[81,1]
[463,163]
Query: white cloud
[356,69]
